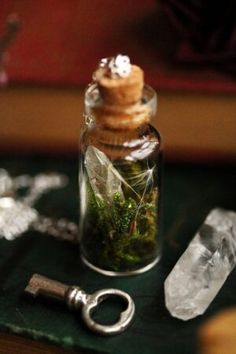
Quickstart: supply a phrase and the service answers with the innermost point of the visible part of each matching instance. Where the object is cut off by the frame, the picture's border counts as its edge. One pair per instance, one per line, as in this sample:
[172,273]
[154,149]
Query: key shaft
[40,285]
[72,295]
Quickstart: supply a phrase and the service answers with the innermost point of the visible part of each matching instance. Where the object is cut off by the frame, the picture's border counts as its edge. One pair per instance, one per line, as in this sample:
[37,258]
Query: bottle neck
[120,117]
[121,144]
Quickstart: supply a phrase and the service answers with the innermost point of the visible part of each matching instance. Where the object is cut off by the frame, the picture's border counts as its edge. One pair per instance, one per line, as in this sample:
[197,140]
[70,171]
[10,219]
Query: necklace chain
[15,211]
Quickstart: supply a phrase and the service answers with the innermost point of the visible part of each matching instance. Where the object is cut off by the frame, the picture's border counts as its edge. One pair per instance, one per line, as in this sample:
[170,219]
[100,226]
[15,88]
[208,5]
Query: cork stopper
[121,87]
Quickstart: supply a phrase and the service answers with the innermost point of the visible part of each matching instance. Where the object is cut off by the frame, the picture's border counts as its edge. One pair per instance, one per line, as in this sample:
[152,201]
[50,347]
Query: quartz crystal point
[204,266]
[104,179]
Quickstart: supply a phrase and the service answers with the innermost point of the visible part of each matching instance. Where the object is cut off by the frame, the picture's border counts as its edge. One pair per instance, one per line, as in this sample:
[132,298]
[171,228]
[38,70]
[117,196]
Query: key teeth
[32,287]
[31,290]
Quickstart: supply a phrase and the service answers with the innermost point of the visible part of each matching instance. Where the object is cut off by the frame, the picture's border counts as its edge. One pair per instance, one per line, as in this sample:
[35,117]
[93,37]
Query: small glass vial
[119,172]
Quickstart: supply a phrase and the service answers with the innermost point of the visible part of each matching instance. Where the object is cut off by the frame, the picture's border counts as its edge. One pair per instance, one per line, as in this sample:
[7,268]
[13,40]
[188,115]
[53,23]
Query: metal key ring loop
[93,301]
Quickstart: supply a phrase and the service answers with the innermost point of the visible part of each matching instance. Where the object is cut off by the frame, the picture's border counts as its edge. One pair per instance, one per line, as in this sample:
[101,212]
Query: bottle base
[121,274]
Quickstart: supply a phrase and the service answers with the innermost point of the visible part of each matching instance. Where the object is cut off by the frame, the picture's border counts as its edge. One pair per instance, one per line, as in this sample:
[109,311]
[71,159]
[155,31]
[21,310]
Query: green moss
[124,234]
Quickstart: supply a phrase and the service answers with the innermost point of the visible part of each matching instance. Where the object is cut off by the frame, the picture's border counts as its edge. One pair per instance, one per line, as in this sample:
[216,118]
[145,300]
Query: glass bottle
[119,178]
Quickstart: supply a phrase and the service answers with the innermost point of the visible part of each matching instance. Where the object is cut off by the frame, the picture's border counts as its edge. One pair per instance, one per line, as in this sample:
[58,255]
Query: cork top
[119,82]
[121,88]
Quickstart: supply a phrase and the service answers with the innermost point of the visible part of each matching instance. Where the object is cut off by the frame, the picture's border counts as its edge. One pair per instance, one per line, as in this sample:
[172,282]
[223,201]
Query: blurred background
[49,50]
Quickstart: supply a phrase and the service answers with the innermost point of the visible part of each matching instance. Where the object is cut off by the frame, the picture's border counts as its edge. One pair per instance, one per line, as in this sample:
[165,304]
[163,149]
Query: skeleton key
[17,218]
[76,299]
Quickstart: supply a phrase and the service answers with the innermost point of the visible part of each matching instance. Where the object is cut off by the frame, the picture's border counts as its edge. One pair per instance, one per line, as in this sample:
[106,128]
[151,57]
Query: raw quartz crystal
[104,179]
[204,266]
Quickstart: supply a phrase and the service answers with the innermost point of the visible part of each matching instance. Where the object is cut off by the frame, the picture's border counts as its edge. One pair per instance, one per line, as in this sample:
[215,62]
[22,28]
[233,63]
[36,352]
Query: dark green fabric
[189,193]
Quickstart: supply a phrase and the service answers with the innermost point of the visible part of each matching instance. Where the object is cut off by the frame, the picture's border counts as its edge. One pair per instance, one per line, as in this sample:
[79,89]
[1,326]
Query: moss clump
[123,232]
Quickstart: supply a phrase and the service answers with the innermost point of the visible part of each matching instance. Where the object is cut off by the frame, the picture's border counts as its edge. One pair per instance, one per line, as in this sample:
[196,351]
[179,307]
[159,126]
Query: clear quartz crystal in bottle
[119,173]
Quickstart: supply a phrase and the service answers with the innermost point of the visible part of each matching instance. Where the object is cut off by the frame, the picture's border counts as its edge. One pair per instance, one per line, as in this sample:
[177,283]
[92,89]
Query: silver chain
[63,229]
[17,214]
[40,184]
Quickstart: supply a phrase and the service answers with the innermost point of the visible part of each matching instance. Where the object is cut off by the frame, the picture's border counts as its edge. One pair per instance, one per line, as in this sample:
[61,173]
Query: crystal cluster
[119,65]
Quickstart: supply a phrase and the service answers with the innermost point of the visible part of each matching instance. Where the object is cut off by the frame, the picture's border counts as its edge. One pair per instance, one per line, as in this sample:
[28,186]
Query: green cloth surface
[189,193]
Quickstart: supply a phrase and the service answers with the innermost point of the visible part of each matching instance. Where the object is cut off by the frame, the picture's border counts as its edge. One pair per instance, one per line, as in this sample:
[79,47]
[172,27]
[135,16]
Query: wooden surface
[13,344]
[195,126]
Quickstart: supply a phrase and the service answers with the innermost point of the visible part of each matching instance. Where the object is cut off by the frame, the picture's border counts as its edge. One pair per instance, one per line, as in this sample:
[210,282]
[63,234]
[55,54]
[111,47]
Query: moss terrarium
[119,177]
